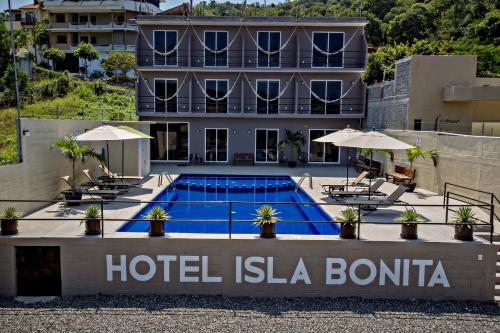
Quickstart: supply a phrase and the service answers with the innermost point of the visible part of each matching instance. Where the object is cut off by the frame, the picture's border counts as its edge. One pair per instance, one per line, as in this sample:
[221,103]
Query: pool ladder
[304,176]
[168,177]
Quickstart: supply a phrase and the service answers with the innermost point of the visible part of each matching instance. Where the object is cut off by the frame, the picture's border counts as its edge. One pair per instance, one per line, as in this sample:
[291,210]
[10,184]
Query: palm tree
[73,152]
[295,140]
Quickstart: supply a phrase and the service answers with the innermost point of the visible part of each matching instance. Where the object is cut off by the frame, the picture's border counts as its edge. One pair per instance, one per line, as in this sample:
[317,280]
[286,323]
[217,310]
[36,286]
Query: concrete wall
[467,270]
[39,176]
[472,161]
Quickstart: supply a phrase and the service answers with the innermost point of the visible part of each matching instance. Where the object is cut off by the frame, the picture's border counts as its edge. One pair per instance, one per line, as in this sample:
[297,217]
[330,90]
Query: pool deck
[149,189]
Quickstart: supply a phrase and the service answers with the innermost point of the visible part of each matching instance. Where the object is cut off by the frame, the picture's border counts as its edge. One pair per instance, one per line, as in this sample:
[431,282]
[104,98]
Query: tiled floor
[119,211]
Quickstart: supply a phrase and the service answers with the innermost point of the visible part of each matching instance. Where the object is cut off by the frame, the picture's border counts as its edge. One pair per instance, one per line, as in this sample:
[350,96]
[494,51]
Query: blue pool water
[275,190]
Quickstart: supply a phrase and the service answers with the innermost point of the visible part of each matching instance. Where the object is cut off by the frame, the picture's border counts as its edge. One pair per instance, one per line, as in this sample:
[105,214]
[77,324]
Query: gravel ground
[222,314]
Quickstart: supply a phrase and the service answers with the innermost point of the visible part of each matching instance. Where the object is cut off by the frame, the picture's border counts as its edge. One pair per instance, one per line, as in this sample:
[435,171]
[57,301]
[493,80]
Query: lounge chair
[374,204]
[101,184]
[110,176]
[373,191]
[105,194]
[329,187]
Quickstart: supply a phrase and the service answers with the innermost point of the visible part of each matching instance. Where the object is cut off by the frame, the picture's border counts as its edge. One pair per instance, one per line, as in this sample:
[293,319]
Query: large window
[216,143]
[215,43]
[326,45]
[170,142]
[165,95]
[266,145]
[216,100]
[268,91]
[325,97]
[165,42]
[322,152]
[62,39]
[268,54]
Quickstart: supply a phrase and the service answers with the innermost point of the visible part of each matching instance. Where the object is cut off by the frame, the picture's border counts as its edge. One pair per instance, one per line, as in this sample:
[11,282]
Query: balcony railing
[251,58]
[28,20]
[250,106]
[100,25]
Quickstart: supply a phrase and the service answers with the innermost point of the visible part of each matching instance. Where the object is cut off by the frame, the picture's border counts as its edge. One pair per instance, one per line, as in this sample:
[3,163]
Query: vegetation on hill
[399,28]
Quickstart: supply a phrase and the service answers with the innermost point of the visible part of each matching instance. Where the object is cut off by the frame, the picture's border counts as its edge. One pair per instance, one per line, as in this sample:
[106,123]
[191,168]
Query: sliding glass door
[216,144]
[170,142]
[266,145]
[321,152]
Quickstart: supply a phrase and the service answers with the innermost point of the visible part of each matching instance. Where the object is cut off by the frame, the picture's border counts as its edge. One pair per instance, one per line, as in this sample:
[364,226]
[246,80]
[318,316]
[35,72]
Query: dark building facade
[219,86]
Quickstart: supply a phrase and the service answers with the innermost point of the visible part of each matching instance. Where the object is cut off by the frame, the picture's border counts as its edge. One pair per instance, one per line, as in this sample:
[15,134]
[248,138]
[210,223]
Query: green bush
[44,73]
[99,88]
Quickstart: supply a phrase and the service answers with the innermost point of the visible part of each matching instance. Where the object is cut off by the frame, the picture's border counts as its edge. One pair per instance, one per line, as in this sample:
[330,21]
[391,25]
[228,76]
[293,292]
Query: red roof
[30,6]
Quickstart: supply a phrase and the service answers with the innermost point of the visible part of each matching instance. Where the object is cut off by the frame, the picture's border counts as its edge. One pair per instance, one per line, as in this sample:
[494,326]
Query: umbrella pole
[370,174]
[107,154]
[347,170]
[123,156]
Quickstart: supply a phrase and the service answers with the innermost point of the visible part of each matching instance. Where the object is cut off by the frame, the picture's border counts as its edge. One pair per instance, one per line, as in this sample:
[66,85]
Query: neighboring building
[436,93]
[109,25]
[216,86]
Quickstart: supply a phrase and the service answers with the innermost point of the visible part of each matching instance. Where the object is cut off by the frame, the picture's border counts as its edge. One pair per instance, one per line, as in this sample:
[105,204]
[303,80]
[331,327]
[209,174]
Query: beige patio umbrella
[110,133]
[337,136]
[373,140]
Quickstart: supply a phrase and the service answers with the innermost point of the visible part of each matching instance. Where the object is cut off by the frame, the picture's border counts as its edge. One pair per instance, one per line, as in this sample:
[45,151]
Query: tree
[294,140]
[488,29]
[8,79]
[119,61]
[86,52]
[54,54]
[414,24]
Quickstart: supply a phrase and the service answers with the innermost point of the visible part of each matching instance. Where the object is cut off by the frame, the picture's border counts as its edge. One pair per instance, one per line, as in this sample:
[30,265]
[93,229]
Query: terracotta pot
[409,231]
[156,228]
[267,230]
[463,233]
[9,227]
[347,230]
[93,227]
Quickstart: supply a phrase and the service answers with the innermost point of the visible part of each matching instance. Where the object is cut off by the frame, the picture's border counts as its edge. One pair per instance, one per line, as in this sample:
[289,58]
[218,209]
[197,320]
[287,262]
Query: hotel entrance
[38,270]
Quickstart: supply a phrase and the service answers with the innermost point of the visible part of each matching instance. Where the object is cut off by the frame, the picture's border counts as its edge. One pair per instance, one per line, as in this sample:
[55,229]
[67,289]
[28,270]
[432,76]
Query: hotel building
[109,25]
[219,86]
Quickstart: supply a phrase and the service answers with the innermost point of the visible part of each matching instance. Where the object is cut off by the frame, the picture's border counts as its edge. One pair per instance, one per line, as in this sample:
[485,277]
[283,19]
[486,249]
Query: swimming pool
[190,188]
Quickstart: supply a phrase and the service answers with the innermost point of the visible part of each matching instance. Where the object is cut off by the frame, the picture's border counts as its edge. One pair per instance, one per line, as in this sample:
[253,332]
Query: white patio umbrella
[109,133]
[337,136]
[373,140]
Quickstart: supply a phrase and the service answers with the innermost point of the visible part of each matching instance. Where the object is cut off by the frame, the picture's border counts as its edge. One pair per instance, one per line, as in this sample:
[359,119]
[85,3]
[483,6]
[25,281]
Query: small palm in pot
[157,218]
[464,219]
[348,219]
[409,220]
[266,218]
[9,218]
[92,220]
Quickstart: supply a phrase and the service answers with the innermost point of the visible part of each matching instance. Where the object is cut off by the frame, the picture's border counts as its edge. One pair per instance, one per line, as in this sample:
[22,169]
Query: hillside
[401,27]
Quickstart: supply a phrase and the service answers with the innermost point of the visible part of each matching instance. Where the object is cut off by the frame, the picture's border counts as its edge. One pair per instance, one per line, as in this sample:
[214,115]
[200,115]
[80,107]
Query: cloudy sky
[167,4]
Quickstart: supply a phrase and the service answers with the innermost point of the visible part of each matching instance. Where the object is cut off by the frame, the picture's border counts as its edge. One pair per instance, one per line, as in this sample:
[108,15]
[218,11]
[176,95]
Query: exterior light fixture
[26,133]
[248,131]
[234,131]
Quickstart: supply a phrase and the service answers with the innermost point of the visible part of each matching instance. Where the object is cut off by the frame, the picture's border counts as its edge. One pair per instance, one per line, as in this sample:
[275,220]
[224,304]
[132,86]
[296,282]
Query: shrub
[8,80]
[99,88]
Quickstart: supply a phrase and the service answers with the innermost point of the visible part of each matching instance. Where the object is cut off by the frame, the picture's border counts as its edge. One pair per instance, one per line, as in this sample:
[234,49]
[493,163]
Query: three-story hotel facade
[214,87]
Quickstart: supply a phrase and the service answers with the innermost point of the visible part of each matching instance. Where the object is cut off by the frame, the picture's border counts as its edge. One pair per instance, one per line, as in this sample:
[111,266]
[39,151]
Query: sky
[167,4]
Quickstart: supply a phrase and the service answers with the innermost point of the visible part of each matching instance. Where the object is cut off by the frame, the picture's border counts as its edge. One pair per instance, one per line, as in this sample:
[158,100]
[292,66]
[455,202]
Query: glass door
[266,145]
[216,144]
[321,152]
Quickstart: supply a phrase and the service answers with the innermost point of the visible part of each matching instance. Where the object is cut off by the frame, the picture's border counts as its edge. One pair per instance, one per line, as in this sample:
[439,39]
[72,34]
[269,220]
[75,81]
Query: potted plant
[464,217]
[348,219]
[413,154]
[9,218]
[294,140]
[157,217]
[92,219]
[409,220]
[266,218]
[73,153]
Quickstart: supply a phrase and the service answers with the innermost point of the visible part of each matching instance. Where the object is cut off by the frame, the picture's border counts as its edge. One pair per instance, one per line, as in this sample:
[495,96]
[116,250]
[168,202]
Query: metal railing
[230,206]
[59,112]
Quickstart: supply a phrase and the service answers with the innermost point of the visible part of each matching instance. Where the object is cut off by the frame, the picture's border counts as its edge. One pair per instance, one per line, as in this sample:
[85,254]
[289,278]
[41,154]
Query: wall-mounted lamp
[248,131]
[197,130]
[26,133]
[234,131]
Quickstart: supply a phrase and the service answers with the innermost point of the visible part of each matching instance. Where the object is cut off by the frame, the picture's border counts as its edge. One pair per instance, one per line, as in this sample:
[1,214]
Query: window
[93,20]
[17,17]
[266,145]
[215,42]
[323,96]
[328,42]
[321,152]
[165,95]
[74,19]
[120,19]
[268,91]
[84,19]
[170,142]
[271,43]
[216,140]
[60,18]
[216,101]
[93,40]
[62,39]
[417,124]
[74,38]
[165,42]
[84,39]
